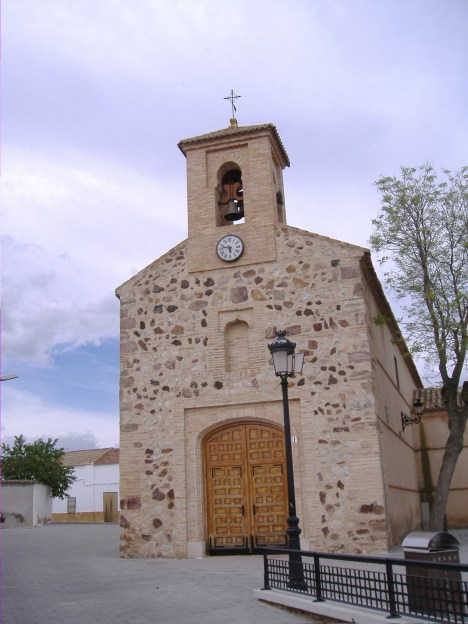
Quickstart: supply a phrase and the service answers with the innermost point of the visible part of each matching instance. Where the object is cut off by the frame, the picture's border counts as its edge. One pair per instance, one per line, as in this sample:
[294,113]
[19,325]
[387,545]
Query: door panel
[227,509]
[269,512]
[246,488]
[109,503]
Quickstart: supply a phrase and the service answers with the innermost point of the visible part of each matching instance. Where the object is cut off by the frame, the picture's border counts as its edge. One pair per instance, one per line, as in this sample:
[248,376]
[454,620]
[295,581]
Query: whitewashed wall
[91,482]
[26,504]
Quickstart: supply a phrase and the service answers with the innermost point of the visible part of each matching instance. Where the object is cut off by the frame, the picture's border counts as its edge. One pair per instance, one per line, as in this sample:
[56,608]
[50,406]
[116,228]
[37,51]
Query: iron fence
[432,591]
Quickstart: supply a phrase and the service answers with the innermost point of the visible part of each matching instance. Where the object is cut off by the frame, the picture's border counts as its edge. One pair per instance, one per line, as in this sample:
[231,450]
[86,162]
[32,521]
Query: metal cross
[232,97]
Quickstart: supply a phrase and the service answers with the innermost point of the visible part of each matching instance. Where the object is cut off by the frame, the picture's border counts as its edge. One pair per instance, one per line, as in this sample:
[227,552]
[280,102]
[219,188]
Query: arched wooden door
[246,488]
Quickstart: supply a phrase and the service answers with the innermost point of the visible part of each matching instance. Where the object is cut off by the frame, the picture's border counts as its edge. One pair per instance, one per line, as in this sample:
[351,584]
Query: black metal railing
[433,591]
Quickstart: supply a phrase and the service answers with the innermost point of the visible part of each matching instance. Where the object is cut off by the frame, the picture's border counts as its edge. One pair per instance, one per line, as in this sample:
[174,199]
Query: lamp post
[287,363]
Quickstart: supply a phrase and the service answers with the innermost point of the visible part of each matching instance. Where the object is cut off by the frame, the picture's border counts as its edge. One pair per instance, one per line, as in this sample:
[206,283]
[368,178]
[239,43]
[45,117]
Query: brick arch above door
[198,423]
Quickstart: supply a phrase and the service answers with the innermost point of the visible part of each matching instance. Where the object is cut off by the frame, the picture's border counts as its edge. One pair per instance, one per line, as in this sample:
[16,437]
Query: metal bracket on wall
[406,420]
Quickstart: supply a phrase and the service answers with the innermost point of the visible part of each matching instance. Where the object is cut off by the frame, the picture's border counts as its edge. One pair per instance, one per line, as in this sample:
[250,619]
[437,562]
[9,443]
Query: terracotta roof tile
[376,286]
[432,399]
[112,456]
[85,457]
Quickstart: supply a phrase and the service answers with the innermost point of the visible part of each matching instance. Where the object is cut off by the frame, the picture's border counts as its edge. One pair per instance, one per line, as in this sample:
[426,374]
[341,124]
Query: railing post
[318,580]
[391,590]
[266,575]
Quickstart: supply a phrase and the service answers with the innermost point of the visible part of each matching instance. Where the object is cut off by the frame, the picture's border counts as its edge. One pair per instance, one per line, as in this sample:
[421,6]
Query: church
[202,452]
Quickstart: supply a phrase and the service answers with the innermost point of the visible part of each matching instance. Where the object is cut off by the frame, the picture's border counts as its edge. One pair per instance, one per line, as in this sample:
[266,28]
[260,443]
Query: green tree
[39,460]
[422,231]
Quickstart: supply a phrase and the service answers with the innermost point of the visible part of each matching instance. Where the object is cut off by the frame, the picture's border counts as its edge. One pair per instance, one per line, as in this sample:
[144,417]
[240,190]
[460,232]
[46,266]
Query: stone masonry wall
[173,381]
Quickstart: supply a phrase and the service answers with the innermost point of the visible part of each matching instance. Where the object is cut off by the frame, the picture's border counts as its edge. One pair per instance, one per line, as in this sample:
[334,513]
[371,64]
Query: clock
[230,248]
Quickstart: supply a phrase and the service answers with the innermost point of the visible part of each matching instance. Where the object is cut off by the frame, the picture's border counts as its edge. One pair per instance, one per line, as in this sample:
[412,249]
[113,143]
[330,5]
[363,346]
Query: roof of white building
[91,457]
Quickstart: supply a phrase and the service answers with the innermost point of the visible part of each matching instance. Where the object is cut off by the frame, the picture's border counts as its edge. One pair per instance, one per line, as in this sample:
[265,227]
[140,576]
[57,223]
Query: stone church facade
[202,468]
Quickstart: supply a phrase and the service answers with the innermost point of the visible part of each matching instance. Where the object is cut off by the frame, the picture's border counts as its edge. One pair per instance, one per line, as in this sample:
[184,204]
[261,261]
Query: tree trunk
[453,448]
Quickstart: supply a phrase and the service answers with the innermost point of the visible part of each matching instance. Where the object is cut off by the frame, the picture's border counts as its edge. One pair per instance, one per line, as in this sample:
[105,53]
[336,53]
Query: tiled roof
[235,130]
[432,399]
[112,456]
[374,282]
[86,457]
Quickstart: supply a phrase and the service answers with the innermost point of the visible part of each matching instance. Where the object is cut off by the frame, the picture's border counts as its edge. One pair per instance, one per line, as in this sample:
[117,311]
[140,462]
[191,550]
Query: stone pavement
[72,573]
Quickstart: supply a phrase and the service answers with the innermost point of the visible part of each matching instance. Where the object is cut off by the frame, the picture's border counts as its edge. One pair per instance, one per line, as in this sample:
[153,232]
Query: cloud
[121,78]
[46,303]
[72,441]
[42,419]
[75,233]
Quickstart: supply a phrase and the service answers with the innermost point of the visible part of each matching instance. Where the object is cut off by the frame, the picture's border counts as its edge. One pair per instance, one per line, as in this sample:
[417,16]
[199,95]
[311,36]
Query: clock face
[230,247]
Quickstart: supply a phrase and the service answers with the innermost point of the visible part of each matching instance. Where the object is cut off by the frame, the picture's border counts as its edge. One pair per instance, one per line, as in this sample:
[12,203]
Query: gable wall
[174,389]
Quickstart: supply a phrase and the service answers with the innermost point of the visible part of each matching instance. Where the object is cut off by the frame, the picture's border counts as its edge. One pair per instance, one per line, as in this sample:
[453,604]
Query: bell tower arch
[234,187]
[230,196]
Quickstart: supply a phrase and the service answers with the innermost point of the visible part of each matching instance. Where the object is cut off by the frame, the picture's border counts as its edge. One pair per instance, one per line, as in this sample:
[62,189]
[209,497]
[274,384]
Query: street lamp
[287,363]
[406,420]
[8,377]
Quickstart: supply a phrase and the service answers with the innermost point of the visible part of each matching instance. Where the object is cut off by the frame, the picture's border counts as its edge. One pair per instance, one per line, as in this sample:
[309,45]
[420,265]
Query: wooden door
[246,488]
[109,504]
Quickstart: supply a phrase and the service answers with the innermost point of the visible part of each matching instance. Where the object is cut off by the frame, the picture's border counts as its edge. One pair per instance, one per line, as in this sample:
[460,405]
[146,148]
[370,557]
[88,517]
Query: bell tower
[235,195]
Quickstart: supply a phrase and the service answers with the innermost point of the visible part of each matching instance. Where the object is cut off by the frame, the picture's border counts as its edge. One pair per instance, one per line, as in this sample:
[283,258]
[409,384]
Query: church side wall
[175,388]
[394,391]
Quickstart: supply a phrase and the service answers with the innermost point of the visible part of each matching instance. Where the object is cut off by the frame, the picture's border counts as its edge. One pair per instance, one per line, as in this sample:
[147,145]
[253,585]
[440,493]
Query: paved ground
[72,574]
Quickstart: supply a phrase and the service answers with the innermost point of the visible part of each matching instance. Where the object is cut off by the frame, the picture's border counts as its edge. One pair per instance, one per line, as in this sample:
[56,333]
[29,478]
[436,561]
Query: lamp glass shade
[298,362]
[285,360]
[281,361]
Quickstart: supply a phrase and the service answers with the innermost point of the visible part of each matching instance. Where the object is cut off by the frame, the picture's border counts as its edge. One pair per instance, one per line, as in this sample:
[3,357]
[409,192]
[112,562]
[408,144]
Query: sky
[96,94]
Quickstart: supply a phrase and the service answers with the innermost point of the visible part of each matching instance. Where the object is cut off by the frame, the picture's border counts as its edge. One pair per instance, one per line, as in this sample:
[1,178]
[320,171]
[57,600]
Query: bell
[234,211]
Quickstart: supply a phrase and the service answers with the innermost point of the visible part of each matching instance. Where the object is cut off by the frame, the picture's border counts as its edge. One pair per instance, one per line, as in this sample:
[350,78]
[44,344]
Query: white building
[94,496]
